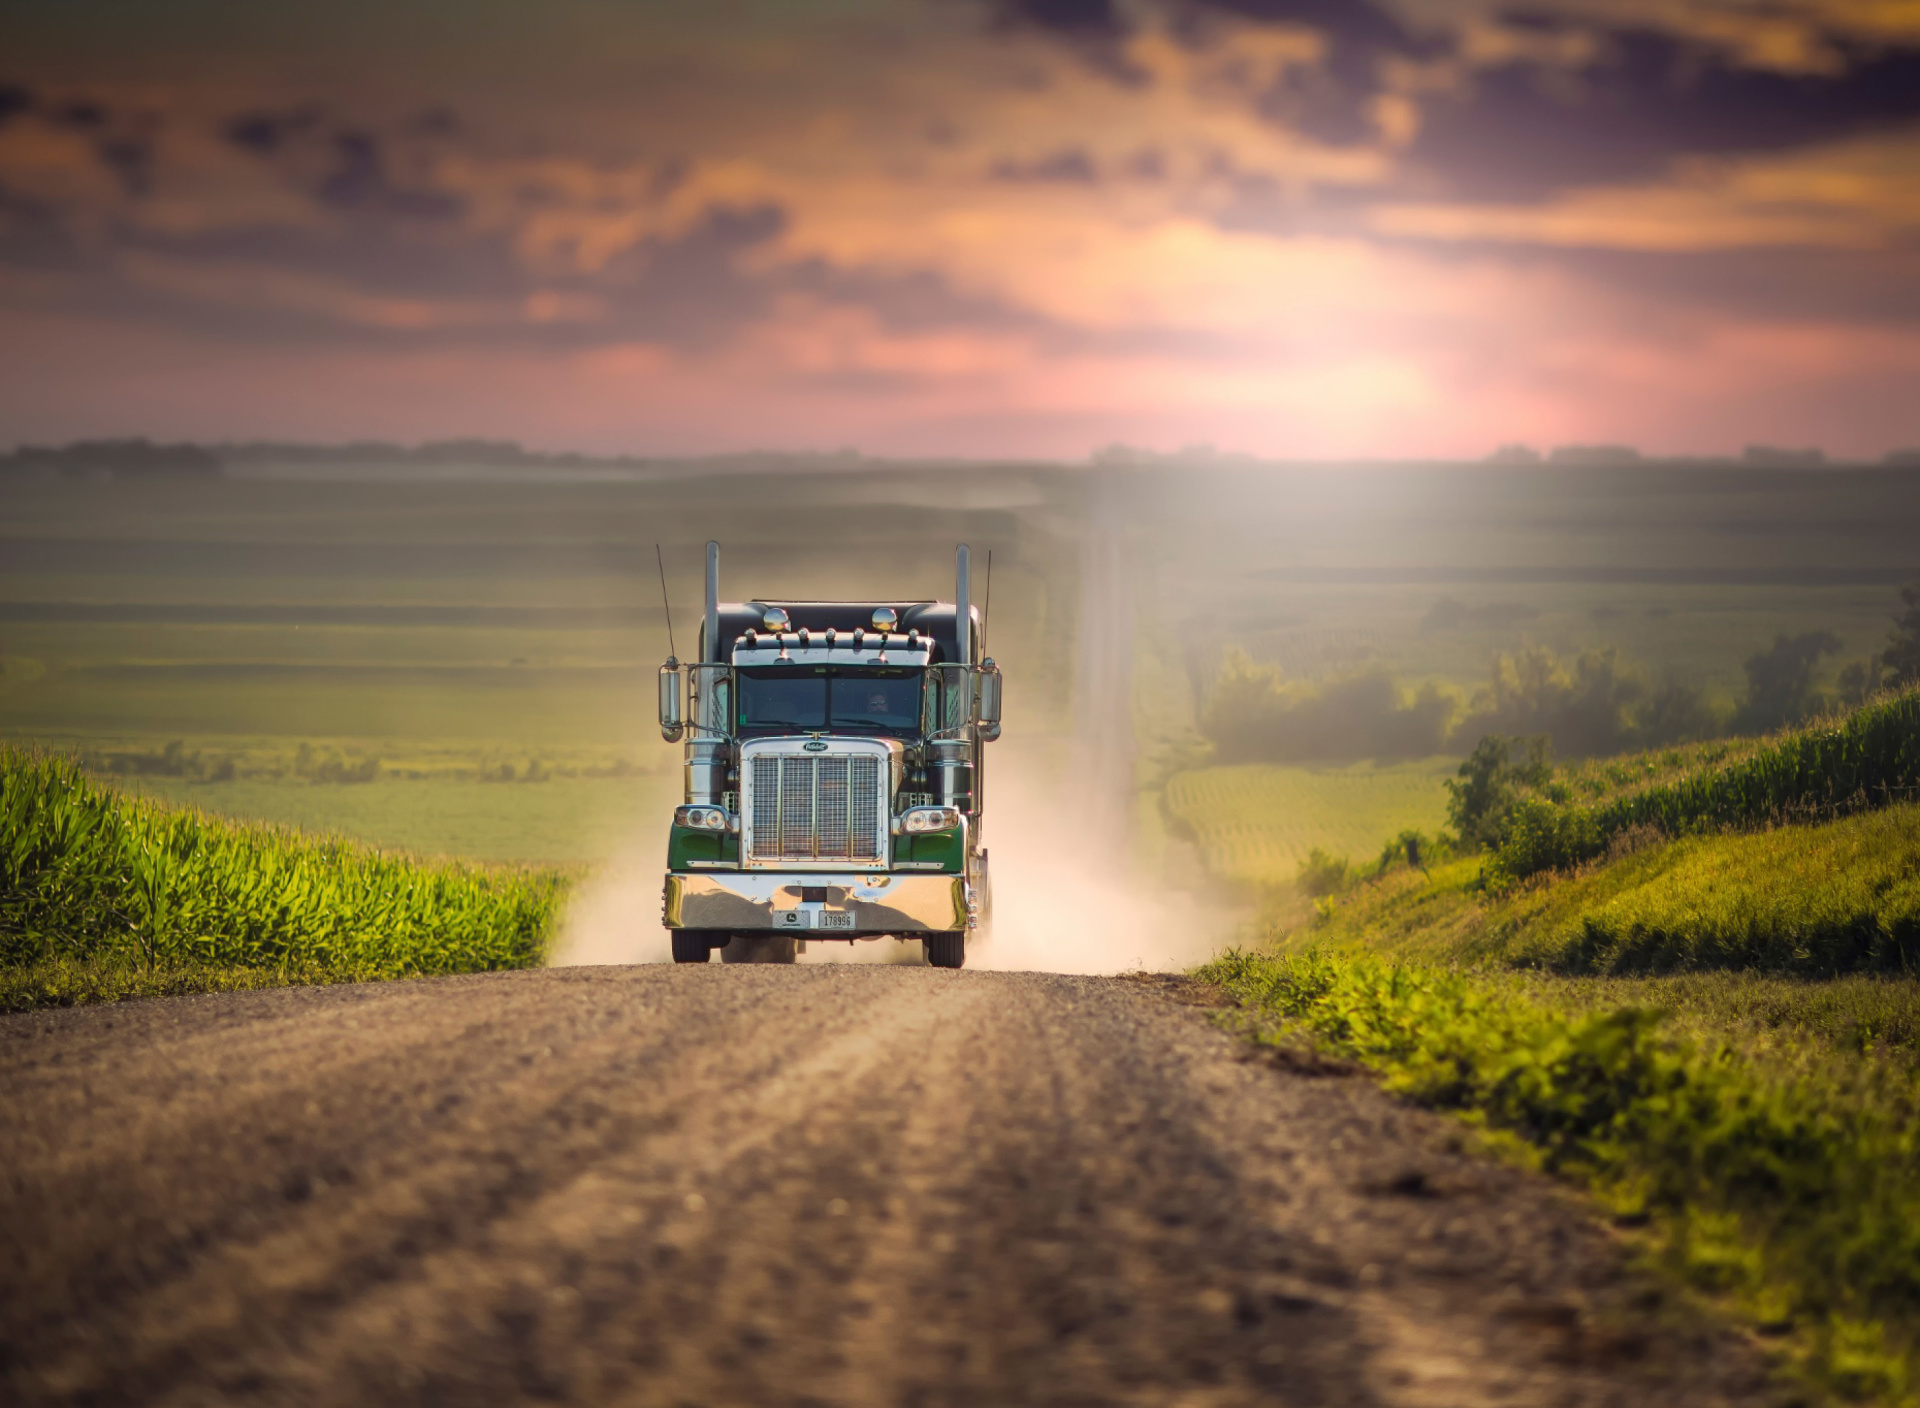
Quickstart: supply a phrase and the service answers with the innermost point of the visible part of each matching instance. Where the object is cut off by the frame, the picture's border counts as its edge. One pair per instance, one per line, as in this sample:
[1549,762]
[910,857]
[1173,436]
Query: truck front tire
[691,945]
[946,950]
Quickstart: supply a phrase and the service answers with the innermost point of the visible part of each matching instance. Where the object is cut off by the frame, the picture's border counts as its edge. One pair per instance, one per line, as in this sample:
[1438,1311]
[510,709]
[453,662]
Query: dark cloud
[1095,27]
[130,157]
[1079,19]
[1522,130]
[359,180]
[1527,128]
[14,100]
[355,170]
[692,291]
[265,133]
[82,113]
[1069,167]
[123,141]
[1359,31]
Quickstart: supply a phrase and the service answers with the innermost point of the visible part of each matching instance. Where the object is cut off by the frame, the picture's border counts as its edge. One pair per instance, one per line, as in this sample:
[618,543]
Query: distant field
[514,621]
[561,820]
[1256,823]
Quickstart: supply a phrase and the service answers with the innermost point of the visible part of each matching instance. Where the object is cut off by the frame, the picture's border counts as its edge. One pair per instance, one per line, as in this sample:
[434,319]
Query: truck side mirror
[673,723]
[989,700]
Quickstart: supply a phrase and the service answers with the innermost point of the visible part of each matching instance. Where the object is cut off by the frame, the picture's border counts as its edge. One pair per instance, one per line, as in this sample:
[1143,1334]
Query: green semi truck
[833,776]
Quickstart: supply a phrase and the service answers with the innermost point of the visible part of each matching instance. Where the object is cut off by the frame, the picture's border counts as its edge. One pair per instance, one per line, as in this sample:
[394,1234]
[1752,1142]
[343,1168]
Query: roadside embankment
[1702,1007]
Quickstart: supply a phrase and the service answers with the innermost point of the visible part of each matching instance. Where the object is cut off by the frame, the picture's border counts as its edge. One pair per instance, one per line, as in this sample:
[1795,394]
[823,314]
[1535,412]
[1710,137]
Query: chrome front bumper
[856,904]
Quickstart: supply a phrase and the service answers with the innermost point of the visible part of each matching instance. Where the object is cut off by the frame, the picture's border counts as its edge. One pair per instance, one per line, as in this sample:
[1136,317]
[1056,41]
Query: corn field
[1869,759]
[87,872]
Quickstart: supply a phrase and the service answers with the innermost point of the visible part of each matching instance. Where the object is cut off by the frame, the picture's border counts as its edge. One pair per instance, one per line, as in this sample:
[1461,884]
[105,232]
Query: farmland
[453,630]
[1680,1010]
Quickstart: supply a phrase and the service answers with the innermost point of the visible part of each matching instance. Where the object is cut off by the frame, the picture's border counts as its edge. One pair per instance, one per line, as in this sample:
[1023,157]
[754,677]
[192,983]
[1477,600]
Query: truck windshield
[878,701]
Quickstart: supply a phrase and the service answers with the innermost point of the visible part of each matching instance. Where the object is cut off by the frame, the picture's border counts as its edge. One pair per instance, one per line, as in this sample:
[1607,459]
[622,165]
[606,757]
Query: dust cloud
[614,916]
[1071,894]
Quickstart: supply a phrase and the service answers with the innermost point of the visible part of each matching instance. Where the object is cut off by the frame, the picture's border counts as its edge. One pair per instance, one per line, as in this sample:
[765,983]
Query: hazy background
[457,657]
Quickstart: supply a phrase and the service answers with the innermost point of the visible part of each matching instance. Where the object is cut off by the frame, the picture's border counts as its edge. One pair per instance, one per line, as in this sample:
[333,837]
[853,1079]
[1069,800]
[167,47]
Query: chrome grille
[815,808]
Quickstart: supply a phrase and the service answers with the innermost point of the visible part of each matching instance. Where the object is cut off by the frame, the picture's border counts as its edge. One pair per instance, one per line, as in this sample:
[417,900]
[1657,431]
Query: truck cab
[834,787]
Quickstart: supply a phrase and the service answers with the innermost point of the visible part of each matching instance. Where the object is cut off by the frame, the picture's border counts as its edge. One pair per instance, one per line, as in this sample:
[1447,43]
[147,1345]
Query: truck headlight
[918,820]
[700,818]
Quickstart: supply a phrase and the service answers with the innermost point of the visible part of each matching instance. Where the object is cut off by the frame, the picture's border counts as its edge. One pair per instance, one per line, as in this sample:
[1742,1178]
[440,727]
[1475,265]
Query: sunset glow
[1274,226]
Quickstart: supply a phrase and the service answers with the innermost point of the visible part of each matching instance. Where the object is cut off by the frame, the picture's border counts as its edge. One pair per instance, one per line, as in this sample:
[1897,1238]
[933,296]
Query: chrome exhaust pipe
[711,641]
[707,755]
[952,756]
[962,613]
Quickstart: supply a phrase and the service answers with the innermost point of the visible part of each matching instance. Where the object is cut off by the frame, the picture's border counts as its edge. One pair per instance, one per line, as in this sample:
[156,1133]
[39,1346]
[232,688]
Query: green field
[559,820]
[1254,824]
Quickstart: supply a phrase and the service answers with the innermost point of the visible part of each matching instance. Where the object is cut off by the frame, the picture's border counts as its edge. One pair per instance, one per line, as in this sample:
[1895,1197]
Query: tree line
[1588,705]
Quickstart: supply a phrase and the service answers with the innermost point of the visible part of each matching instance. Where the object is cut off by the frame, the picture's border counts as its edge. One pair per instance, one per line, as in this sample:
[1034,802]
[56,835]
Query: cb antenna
[664,604]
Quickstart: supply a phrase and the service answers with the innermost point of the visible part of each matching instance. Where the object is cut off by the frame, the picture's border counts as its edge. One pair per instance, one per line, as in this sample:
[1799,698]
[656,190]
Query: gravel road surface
[775,1186]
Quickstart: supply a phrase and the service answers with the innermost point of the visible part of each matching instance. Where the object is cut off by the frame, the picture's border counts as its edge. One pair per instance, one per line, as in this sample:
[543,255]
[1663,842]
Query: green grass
[1815,901]
[1255,823]
[90,876]
[1794,1199]
[1805,900]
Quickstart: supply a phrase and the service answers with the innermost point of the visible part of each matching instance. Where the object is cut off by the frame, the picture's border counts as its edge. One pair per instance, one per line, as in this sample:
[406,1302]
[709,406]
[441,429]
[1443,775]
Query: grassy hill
[103,894]
[1687,981]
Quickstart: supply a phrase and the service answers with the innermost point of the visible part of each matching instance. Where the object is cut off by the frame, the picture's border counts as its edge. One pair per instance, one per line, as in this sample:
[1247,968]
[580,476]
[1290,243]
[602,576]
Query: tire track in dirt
[780,1186]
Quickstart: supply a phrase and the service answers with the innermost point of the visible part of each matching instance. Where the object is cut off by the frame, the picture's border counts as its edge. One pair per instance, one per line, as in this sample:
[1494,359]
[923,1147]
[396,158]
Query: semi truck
[834,787]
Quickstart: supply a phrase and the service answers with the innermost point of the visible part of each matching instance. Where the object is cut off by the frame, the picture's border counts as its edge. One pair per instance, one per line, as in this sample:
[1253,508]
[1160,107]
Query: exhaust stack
[711,640]
[707,756]
[962,612]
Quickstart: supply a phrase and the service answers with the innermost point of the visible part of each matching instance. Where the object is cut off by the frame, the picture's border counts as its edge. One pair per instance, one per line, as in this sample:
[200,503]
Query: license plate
[834,919]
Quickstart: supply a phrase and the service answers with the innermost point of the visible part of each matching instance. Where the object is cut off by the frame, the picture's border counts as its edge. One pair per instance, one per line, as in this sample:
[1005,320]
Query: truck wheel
[947,950]
[757,948]
[691,945]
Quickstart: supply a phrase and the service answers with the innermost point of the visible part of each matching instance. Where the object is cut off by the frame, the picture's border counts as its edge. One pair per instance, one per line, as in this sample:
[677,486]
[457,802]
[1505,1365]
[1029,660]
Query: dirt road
[771,1186]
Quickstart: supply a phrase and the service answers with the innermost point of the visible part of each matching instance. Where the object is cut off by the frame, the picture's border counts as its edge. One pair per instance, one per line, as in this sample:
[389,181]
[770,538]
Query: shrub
[1585,705]
[1321,874]
[1902,656]
[1254,715]
[1482,798]
[1780,680]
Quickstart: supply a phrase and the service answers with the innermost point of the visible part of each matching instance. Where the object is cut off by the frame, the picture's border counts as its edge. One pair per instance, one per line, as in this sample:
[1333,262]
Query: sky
[1286,228]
